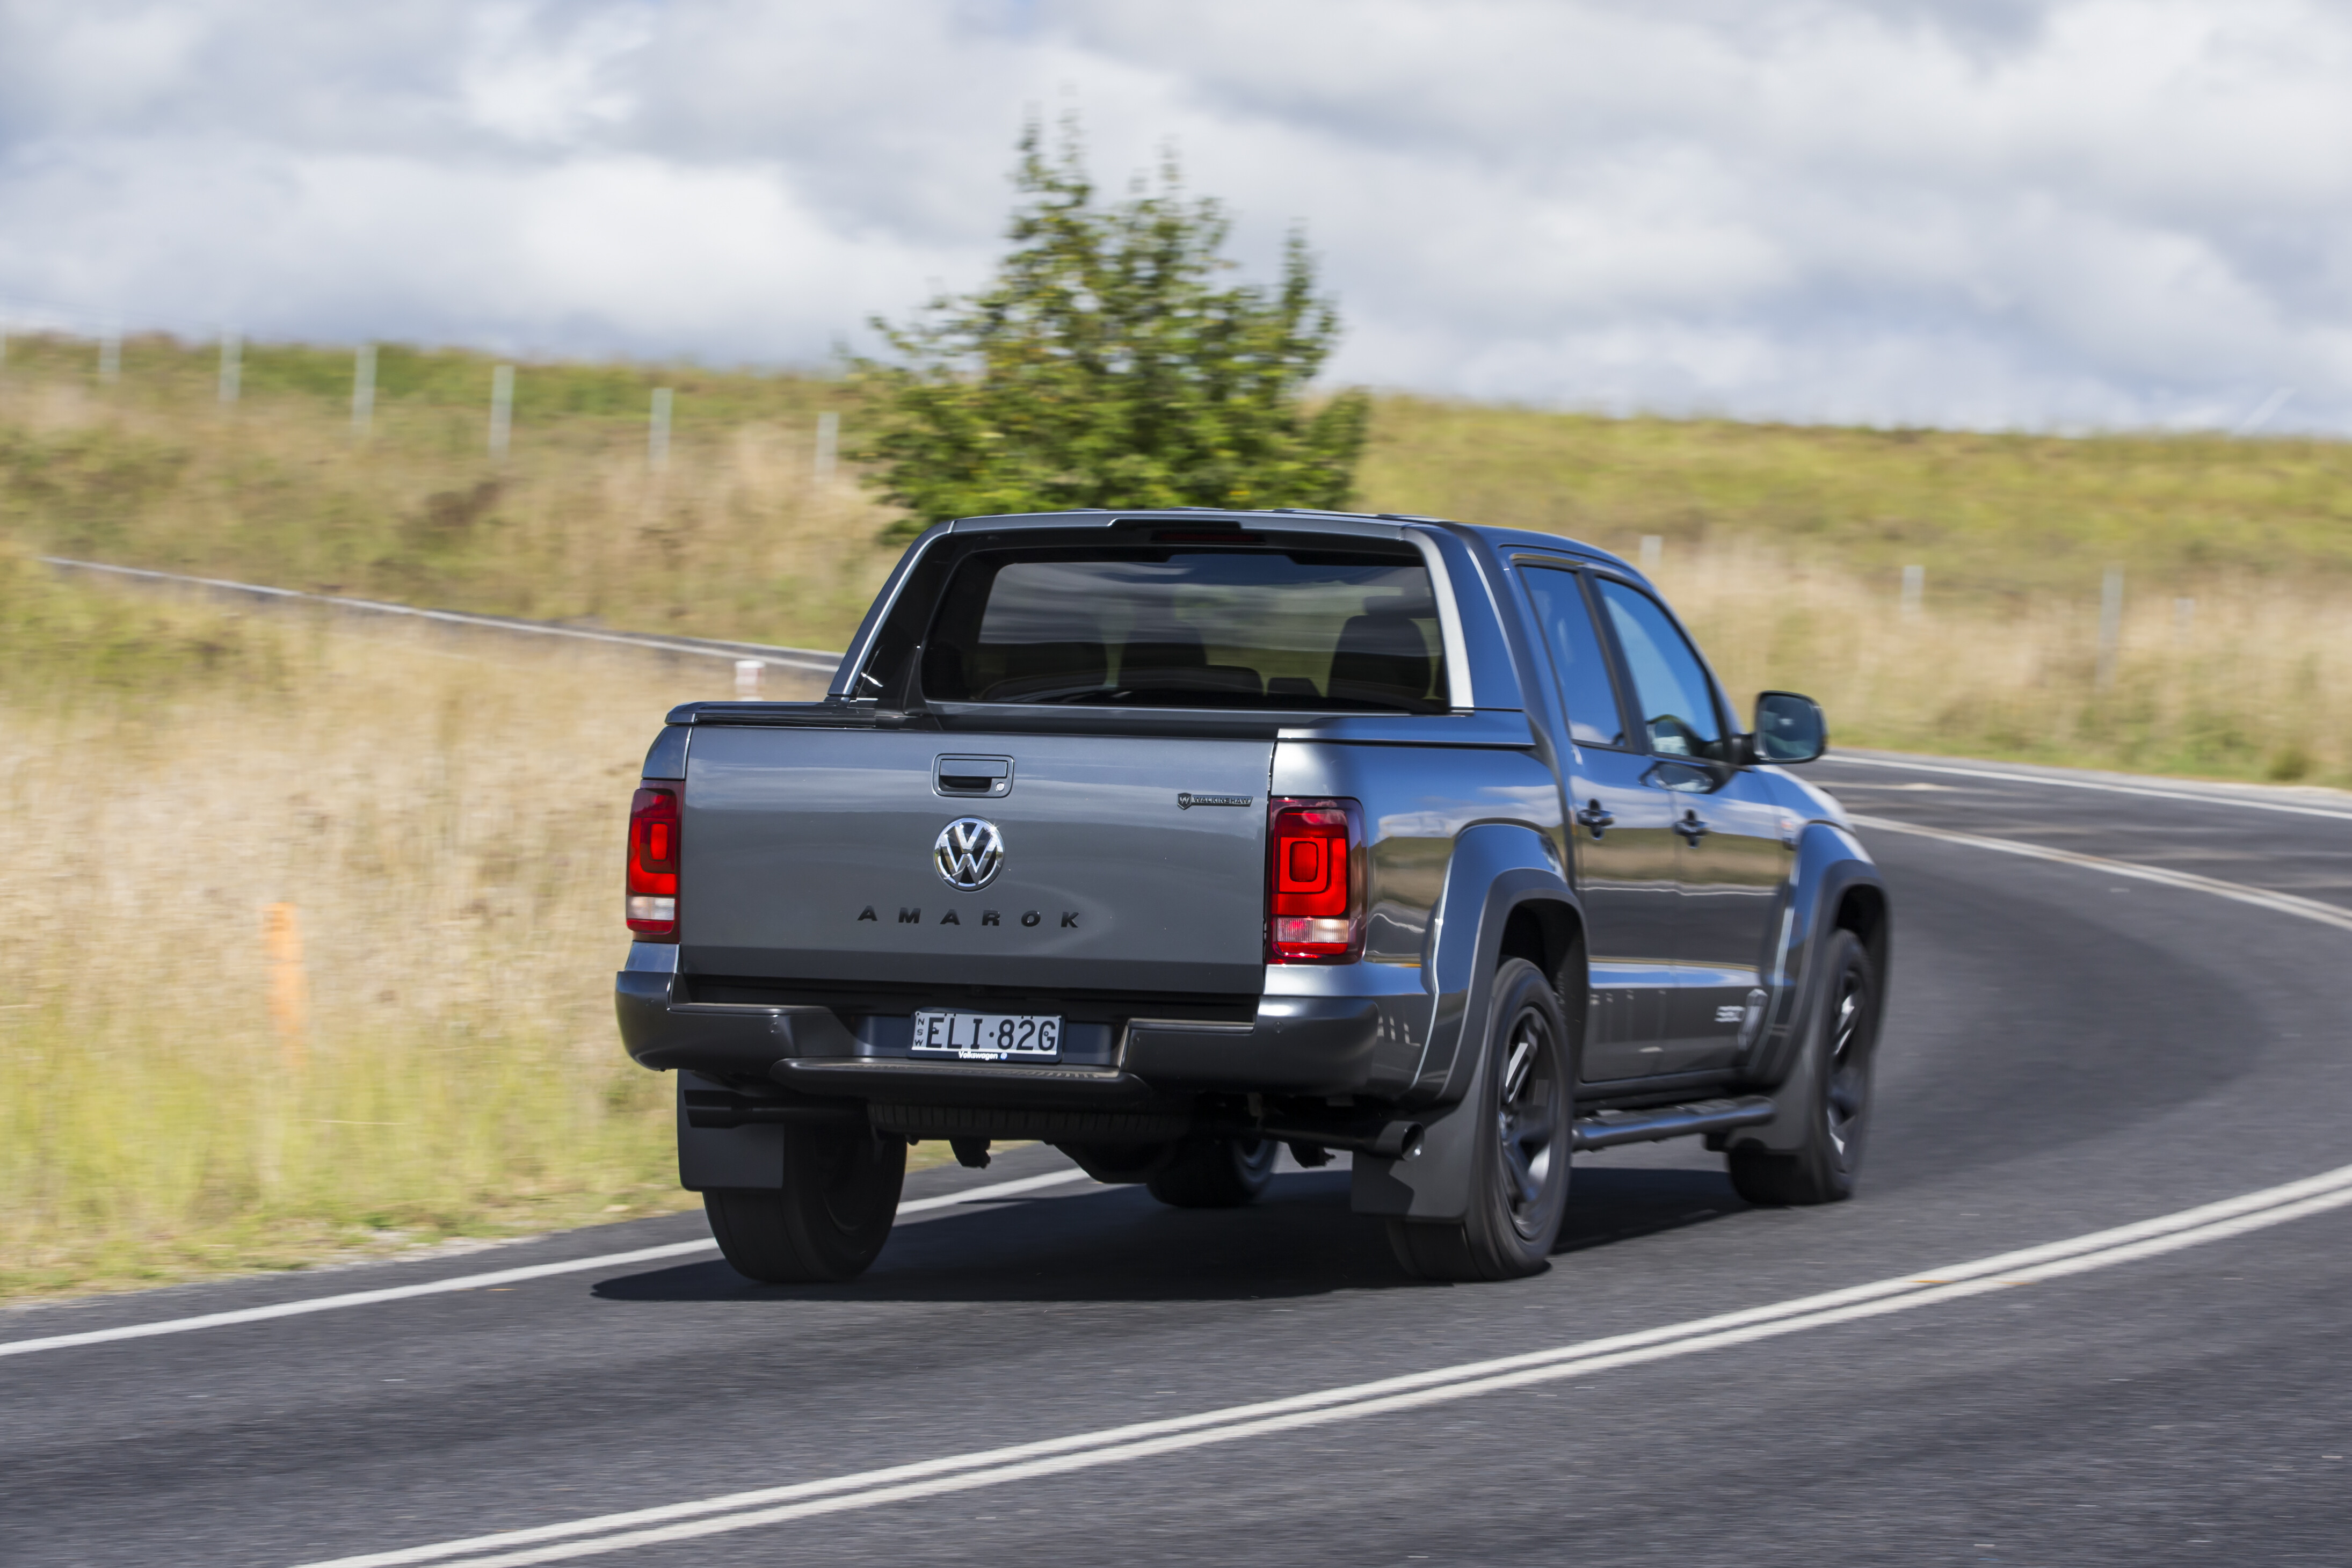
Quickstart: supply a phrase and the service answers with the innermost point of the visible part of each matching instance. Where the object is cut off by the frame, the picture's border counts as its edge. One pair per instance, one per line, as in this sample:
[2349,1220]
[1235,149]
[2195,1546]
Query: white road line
[481,1281]
[2238,893]
[2199,797]
[872,1488]
[811,659]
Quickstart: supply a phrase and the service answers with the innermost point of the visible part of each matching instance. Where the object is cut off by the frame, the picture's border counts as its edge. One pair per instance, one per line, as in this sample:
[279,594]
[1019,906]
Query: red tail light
[653,865]
[1314,892]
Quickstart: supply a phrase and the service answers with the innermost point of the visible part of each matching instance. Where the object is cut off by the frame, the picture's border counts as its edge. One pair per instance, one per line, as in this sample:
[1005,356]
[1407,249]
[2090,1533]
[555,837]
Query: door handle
[1595,819]
[1691,828]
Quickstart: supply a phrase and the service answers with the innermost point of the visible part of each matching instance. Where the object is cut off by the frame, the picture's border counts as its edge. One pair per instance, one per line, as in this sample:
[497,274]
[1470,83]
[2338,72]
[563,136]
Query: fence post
[110,354]
[501,410]
[232,366]
[2111,625]
[1653,550]
[657,431]
[363,392]
[1915,589]
[828,448]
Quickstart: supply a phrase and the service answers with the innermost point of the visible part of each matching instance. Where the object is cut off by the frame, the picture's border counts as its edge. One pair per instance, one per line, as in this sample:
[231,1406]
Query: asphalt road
[2067,1050]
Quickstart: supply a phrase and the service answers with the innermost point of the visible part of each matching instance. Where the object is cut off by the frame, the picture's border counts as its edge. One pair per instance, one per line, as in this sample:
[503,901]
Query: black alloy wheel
[1519,1181]
[1527,1123]
[1833,1080]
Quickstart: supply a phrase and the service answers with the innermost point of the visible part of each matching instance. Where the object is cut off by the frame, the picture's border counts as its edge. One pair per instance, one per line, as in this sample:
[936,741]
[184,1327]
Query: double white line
[1149,1439]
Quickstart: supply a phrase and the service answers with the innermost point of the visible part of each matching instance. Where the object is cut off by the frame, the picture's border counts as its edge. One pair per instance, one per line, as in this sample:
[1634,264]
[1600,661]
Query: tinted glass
[1160,626]
[1670,686]
[1790,728]
[1591,696]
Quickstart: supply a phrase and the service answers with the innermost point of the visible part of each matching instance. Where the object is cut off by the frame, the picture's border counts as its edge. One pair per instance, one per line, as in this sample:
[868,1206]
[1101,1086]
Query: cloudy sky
[2073,214]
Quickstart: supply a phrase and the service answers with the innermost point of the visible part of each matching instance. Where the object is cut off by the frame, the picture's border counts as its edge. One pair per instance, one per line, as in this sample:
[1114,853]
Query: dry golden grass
[1786,547]
[2253,681]
[179,1092]
[1989,515]
[738,535]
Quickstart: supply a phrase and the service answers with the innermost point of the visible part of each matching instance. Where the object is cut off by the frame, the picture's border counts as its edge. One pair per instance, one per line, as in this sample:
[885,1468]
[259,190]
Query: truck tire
[1831,1082]
[1519,1191]
[1215,1172]
[828,1222]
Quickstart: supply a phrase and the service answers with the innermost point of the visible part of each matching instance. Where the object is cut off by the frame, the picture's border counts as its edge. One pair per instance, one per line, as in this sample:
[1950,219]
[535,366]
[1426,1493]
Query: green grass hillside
[1986,514]
[2236,554]
[737,535]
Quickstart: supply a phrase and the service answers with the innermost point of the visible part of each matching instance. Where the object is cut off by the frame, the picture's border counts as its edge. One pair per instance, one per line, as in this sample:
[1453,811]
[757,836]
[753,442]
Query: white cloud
[2080,212]
[545,90]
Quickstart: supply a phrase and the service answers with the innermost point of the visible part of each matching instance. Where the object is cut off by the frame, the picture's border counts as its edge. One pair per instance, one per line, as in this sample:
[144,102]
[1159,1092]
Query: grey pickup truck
[1173,837]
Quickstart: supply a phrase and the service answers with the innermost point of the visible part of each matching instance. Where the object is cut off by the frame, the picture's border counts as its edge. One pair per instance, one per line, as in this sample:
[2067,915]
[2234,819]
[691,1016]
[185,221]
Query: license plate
[988,1036]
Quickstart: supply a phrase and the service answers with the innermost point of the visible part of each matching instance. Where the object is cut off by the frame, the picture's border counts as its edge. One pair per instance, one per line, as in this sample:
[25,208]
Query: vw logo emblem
[969,853]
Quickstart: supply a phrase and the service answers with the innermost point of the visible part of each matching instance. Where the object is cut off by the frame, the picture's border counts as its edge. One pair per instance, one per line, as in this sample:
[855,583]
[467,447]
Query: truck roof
[1502,538]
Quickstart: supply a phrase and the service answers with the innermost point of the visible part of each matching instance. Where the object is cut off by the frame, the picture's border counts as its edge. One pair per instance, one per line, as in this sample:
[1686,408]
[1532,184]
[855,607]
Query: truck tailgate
[809,855]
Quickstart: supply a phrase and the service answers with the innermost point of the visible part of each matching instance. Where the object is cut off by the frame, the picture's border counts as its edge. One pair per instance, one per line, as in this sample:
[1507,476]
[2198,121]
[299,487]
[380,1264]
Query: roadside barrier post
[748,672]
[501,410]
[828,446]
[2111,625]
[363,392]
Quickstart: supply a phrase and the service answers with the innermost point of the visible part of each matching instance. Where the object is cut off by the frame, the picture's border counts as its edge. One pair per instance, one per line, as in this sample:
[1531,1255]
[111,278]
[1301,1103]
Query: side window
[1670,686]
[1593,718]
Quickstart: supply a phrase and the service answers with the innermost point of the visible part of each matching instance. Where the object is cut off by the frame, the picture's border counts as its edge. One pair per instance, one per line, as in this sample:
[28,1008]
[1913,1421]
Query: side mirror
[1788,729]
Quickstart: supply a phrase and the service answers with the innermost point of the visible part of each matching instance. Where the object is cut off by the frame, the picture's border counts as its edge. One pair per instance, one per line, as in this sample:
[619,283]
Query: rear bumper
[1308,1046]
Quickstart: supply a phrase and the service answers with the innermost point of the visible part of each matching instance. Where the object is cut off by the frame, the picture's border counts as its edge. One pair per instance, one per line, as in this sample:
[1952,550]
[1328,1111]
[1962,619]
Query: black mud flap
[750,1156]
[1434,1181]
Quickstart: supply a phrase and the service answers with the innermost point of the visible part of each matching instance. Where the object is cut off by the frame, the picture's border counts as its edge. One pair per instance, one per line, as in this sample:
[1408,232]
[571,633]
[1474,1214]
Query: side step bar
[1603,1129]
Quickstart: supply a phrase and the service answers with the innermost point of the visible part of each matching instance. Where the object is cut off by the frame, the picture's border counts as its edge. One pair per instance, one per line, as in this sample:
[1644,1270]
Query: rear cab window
[1145,624]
